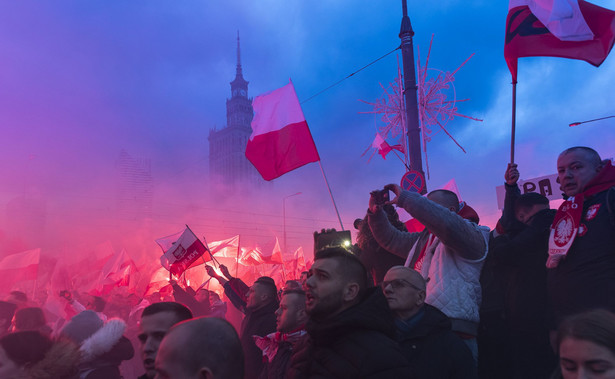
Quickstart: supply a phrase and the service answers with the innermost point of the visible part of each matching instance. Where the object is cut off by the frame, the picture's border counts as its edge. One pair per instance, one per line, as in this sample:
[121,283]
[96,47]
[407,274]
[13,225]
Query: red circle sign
[413,181]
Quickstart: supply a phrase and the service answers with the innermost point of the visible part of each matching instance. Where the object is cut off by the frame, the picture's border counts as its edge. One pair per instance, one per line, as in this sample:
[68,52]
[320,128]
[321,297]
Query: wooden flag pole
[331,194]
[237,257]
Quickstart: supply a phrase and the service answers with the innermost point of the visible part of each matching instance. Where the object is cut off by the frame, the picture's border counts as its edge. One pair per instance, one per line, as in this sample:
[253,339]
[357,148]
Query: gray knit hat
[82,326]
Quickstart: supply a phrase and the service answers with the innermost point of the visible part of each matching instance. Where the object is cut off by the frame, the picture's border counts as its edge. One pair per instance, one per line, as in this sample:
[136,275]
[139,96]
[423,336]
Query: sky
[81,81]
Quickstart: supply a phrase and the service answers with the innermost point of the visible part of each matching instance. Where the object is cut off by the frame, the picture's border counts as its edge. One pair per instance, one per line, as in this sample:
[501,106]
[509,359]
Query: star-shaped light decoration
[435,111]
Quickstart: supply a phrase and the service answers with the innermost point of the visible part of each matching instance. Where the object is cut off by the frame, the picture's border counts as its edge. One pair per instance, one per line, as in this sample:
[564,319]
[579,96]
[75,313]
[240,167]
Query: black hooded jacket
[357,343]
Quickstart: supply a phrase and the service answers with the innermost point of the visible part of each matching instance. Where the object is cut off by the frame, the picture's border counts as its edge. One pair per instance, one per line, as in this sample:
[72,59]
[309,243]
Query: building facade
[228,164]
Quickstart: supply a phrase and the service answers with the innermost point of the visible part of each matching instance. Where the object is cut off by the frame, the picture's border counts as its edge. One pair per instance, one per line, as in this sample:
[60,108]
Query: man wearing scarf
[581,263]
[449,253]
[278,347]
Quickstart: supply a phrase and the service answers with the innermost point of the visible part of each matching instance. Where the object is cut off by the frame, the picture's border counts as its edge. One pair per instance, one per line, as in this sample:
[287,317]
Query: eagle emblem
[592,211]
[563,231]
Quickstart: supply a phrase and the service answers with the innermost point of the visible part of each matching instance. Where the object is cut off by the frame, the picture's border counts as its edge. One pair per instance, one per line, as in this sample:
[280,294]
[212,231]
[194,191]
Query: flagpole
[331,194]
[514,121]
[237,258]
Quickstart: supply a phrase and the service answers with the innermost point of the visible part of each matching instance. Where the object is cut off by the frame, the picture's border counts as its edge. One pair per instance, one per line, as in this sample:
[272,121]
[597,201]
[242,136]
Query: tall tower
[227,161]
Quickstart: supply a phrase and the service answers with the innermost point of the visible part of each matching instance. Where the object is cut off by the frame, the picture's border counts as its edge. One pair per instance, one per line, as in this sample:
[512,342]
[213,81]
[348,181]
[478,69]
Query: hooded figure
[102,345]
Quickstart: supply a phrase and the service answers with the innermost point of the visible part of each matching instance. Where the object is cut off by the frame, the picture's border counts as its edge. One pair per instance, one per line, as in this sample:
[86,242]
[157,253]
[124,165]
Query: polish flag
[183,253]
[276,254]
[281,140]
[558,28]
[19,267]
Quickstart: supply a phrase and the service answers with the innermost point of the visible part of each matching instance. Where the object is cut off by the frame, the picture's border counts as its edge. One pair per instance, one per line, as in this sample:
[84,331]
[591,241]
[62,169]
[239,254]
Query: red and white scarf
[270,343]
[565,226]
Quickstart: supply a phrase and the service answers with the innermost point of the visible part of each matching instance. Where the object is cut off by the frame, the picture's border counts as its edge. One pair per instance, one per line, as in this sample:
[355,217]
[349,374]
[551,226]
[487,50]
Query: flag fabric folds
[527,36]
[281,140]
[19,267]
[183,252]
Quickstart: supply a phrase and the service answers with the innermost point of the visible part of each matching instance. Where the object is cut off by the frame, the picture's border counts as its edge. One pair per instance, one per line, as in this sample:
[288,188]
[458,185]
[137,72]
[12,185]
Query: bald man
[202,348]
[450,251]
[424,332]
[581,263]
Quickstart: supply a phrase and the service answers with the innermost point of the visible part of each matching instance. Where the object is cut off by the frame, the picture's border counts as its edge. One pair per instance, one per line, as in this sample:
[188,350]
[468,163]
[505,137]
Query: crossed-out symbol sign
[413,181]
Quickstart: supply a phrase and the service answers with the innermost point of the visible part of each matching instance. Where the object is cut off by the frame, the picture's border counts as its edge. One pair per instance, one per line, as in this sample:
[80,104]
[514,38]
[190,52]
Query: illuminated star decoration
[435,111]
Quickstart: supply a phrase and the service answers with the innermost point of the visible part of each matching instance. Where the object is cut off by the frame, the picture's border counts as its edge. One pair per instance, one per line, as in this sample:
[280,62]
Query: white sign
[544,185]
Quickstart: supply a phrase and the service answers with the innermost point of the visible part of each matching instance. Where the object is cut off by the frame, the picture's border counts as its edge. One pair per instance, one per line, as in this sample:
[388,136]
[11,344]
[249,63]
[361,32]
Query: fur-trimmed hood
[103,340]
[60,362]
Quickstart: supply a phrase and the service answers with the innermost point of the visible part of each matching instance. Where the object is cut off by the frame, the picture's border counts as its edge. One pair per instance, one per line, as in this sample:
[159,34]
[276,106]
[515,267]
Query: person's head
[202,295]
[586,345]
[203,348]
[262,292]
[291,314]
[21,349]
[303,277]
[528,204]
[445,198]
[213,296]
[156,321]
[335,283]
[31,318]
[19,298]
[292,285]
[576,166]
[96,303]
[404,289]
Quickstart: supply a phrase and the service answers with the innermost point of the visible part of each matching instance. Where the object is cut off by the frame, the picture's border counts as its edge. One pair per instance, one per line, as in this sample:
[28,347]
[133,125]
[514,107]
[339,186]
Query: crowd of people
[533,298]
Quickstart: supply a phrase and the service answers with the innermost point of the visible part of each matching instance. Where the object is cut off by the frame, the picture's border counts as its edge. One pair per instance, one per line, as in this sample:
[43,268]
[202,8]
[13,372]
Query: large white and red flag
[558,28]
[281,140]
[183,253]
[19,267]
[276,254]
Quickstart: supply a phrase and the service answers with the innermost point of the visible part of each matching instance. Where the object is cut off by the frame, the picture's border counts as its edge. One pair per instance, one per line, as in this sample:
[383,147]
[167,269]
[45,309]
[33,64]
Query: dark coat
[278,367]
[357,343]
[433,350]
[259,322]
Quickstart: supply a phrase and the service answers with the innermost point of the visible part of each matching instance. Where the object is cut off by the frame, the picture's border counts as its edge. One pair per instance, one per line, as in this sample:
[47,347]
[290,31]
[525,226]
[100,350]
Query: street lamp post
[284,216]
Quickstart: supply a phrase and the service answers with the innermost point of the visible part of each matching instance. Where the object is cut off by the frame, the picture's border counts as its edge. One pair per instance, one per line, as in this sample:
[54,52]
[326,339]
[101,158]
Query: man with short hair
[351,330]
[201,348]
[423,331]
[581,263]
[156,321]
[278,347]
[450,252]
[258,304]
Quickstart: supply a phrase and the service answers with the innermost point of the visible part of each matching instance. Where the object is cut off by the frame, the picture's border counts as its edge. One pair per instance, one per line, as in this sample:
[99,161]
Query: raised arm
[458,235]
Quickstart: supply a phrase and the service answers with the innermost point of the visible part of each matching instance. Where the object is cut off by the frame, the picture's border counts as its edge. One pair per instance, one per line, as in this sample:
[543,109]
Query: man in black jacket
[350,330]
[423,331]
[258,304]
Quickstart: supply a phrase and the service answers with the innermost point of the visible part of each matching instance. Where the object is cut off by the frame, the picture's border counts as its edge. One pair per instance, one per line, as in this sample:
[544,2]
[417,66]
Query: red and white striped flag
[19,267]
[281,140]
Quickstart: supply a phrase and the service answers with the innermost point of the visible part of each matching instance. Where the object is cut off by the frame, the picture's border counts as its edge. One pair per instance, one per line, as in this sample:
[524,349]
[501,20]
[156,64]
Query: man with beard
[156,321]
[350,330]
[258,304]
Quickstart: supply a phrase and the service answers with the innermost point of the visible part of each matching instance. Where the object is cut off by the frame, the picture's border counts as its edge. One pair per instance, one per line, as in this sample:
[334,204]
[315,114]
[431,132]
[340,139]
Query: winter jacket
[453,285]
[60,362]
[356,343]
[433,350]
[104,350]
[259,322]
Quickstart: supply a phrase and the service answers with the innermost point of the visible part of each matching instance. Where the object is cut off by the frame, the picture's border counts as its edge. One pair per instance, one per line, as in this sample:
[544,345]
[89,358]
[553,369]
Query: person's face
[288,315]
[574,171]
[256,296]
[324,289]
[152,329]
[8,368]
[169,362]
[402,294]
[581,359]
[525,215]
[202,295]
